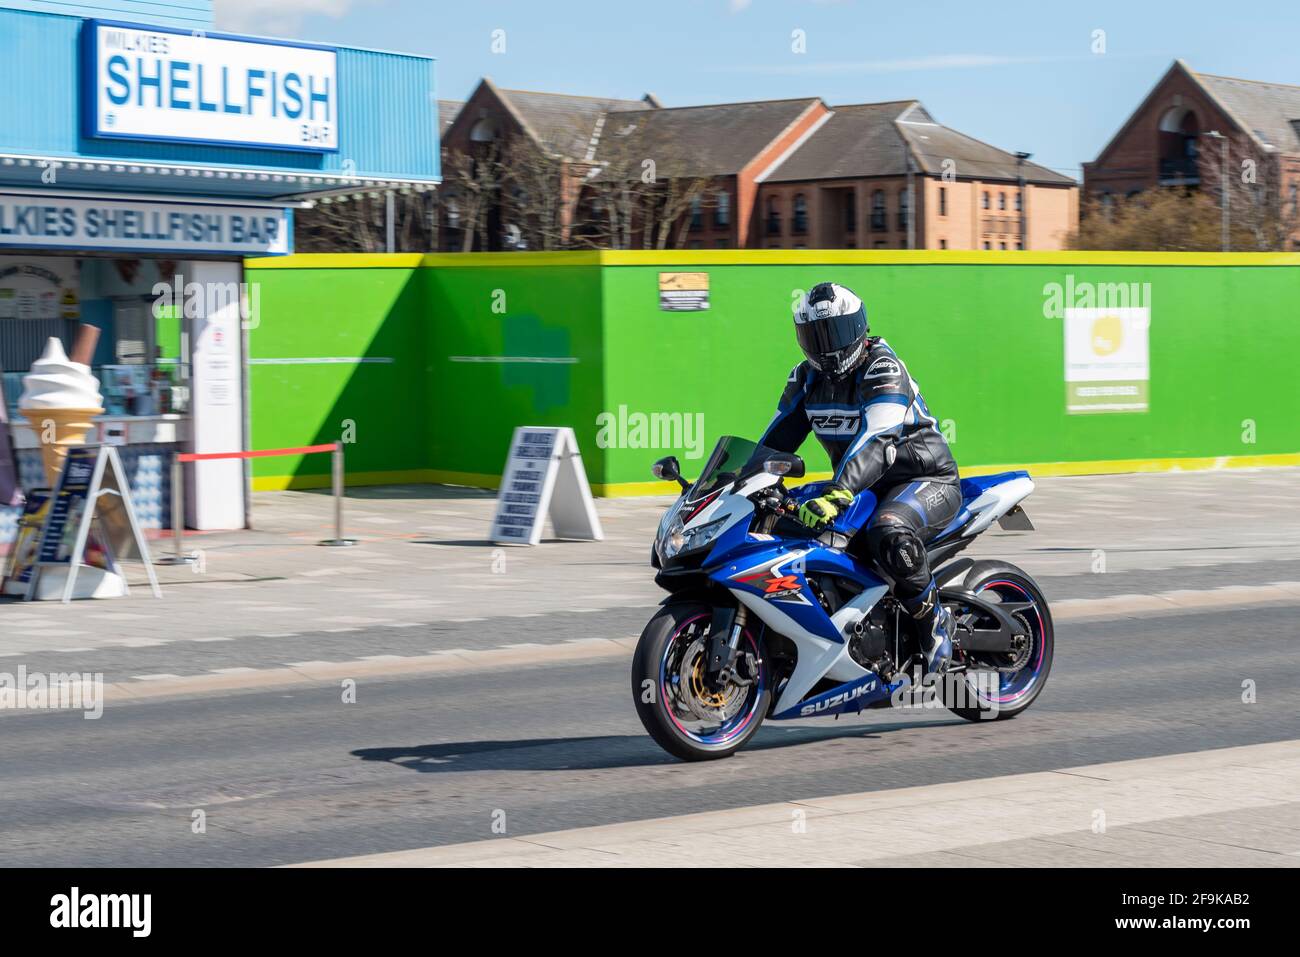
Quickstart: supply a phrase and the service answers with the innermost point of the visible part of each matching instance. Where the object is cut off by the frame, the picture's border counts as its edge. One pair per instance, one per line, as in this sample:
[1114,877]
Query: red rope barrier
[208,456]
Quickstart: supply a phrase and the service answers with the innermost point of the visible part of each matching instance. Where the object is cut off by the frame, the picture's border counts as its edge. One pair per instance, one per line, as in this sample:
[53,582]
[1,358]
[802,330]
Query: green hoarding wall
[461,349]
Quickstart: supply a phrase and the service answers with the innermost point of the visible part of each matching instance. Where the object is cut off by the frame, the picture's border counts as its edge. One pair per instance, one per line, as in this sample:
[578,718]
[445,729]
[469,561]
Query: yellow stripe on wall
[277,483]
[766,257]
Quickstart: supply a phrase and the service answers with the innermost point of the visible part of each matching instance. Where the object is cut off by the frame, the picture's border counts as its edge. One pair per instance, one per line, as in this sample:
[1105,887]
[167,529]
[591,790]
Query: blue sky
[1021,75]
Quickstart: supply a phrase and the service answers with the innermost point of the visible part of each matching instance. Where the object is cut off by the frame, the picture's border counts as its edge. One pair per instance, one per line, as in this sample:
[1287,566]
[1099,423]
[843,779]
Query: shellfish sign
[155,83]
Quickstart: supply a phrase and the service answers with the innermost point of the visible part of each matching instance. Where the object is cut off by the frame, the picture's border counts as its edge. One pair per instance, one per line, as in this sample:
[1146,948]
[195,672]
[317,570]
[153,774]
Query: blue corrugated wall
[186,14]
[387,109]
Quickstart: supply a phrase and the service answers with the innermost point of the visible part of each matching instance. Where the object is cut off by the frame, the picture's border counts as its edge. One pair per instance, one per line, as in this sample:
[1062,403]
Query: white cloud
[278,17]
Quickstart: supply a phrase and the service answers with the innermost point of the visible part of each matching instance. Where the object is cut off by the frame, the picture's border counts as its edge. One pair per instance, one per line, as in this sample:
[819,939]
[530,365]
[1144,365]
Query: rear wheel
[684,716]
[997,686]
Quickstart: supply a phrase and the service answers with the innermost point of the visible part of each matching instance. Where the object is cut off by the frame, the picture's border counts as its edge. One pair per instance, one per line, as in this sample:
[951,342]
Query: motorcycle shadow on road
[599,752]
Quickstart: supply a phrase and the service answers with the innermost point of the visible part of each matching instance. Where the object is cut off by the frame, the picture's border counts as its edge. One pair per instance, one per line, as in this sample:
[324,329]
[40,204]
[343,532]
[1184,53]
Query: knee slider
[897,549]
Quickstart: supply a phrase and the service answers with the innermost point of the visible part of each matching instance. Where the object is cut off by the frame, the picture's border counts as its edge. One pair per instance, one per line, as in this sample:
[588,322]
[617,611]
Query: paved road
[143,659]
[291,775]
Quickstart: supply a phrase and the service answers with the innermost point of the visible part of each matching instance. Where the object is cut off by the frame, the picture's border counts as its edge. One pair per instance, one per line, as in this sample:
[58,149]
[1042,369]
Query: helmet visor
[822,338]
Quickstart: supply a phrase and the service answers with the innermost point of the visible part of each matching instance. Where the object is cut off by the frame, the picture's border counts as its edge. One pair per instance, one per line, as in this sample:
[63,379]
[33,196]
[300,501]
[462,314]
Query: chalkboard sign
[90,520]
[544,477]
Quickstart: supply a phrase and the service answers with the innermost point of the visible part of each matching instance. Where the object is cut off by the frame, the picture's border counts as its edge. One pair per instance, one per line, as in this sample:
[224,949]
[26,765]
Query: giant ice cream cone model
[60,398]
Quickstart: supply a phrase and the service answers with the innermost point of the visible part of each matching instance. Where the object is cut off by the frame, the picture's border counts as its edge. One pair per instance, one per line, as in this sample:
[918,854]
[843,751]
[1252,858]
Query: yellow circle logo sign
[1107,335]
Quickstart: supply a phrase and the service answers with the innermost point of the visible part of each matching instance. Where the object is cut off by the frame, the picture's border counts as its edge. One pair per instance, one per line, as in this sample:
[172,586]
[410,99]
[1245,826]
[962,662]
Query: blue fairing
[847,522]
[757,565]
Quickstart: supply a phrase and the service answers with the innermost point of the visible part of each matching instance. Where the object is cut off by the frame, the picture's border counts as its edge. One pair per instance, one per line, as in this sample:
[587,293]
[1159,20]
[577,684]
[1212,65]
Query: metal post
[178,516]
[390,224]
[336,470]
[1223,186]
[1021,156]
[1223,177]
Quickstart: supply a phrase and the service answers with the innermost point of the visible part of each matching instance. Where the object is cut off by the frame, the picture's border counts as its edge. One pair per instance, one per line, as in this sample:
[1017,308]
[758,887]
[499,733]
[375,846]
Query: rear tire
[1015,692]
[657,687]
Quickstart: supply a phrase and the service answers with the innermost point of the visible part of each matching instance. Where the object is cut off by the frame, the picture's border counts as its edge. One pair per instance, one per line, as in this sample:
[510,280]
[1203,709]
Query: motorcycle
[769,619]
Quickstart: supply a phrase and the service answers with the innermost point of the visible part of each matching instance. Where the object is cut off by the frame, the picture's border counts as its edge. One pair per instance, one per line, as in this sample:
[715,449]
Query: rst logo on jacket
[841,422]
[884,367]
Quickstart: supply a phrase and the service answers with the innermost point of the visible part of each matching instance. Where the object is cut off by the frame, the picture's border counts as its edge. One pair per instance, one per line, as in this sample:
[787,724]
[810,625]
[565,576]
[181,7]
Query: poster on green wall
[1107,365]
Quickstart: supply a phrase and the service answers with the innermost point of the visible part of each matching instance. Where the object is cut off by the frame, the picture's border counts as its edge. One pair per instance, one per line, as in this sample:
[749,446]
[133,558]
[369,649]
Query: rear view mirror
[669,470]
[784,464]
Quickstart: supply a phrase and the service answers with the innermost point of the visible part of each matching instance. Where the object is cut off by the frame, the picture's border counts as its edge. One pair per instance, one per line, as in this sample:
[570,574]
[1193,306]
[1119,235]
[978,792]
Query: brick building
[1167,140]
[889,176]
[786,173]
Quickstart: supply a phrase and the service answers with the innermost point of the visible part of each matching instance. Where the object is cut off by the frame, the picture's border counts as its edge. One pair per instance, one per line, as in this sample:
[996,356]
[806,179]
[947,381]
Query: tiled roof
[563,123]
[1270,111]
[719,139]
[447,113]
[873,139]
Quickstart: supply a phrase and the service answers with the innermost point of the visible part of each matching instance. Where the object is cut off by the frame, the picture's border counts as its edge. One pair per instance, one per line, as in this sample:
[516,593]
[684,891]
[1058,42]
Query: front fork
[723,662]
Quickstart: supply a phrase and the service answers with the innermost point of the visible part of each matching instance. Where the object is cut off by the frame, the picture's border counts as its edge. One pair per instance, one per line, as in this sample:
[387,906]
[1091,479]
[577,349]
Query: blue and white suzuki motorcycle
[767,618]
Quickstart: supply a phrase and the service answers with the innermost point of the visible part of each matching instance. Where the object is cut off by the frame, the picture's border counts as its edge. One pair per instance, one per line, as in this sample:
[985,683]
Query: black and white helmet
[831,324]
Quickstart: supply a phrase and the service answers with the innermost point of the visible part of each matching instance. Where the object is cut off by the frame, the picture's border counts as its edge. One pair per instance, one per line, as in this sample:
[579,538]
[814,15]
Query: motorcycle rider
[855,393]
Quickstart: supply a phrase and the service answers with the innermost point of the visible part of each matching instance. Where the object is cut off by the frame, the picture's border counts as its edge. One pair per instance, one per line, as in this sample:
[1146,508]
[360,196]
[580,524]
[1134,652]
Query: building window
[987,244]
[722,209]
[773,217]
[800,214]
[697,214]
[943,201]
[984,200]
[1002,200]
[902,209]
[721,243]
[943,244]
[1019,244]
[1020,201]
[878,210]
[1002,245]
[851,211]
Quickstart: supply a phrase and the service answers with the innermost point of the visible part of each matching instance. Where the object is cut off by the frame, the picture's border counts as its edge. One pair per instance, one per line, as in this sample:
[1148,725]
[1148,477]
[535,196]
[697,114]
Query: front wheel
[684,716]
[997,686]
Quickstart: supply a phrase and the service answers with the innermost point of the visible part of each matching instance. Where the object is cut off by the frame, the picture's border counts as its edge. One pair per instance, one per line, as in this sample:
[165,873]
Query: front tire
[1001,696]
[682,716]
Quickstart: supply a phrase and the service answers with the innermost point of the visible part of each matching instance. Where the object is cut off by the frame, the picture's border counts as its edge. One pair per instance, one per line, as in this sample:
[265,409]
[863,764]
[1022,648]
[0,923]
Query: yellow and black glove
[822,510]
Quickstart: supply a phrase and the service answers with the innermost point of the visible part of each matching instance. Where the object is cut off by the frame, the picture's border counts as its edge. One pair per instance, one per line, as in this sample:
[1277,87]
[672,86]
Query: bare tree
[1262,216]
[357,222]
[1170,219]
[536,196]
[645,188]
[471,185]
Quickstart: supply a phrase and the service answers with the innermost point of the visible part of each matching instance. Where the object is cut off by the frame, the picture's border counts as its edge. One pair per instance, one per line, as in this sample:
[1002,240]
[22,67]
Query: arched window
[484,131]
[1177,144]
[800,215]
[722,209]
[878,210]
[773,217]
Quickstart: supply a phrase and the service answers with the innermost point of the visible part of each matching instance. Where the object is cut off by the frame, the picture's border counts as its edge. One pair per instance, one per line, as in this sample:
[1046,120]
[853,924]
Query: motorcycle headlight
[680,540]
